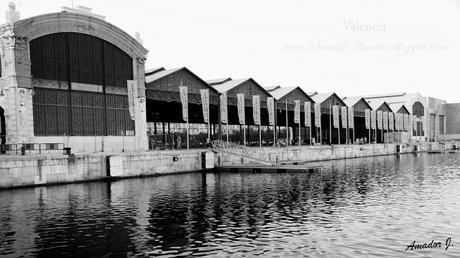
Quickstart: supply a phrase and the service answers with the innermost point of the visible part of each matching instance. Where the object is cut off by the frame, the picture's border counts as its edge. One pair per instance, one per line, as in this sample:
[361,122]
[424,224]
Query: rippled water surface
[356,208]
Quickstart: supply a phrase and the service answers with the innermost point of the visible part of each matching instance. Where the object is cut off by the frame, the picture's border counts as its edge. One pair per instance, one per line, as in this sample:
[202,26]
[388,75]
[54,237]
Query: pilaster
[140,106]
[16,86]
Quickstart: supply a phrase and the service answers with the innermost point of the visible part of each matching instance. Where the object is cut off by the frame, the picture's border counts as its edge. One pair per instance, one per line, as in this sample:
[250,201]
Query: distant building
[64,80]
[452,121]
[428,115]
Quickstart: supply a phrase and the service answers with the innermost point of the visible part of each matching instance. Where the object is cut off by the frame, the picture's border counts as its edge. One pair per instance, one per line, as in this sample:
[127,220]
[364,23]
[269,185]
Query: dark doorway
[2,131]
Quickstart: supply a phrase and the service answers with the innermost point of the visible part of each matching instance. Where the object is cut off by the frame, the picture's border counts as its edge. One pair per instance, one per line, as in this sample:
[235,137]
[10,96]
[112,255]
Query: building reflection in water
[213,213]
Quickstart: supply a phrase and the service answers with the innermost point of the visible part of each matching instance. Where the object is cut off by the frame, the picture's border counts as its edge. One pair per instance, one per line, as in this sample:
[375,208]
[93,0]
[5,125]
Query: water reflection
[361,207]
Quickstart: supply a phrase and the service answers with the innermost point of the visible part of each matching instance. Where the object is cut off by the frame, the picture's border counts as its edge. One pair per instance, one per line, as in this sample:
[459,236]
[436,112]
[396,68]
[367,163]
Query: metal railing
[163,142]
[30,148]
[176,141]
[217,144]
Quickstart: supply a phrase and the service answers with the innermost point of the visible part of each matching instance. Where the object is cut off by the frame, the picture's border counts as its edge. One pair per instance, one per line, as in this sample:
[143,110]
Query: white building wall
[90,144]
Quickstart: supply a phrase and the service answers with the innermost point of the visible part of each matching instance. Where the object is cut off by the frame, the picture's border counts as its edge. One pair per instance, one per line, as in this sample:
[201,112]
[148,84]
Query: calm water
[355,208]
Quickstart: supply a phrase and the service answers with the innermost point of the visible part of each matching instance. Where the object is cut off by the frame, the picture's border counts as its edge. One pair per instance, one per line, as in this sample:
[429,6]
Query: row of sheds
[162,85]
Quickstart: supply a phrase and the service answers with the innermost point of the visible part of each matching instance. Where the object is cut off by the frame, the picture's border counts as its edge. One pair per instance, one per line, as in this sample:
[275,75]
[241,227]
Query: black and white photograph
[209,128]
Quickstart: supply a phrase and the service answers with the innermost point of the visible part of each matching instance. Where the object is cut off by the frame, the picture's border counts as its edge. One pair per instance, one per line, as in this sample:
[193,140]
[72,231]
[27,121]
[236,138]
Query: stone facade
[410,100]
[433,108]
[436,109]
[17,84]
[453,121]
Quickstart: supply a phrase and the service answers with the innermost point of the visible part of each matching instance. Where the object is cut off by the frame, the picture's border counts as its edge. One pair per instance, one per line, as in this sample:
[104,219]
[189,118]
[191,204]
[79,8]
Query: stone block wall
[308,154]
[161,162]
[20,171]
[17,171]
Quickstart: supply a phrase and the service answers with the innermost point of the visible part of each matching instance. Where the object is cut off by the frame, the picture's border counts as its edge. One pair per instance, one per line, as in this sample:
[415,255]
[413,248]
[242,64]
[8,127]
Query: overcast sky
[353,47]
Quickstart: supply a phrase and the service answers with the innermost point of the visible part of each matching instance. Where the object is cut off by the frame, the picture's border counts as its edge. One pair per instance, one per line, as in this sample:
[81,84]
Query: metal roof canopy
[248,86]
[327,100]
[355,102]
[378,105]
[218,81]
[399,108]
[359,105]
[162,86]
[281,94]
[153,70]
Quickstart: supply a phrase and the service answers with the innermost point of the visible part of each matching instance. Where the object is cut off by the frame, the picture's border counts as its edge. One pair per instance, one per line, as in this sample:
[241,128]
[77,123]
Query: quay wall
[20,171]
[156,163]
[308,154]
[33,170]
[293,154]
[17,171]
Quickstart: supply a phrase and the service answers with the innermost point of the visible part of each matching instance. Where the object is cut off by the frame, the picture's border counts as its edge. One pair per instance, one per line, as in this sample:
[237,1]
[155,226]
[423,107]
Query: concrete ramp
[225,157]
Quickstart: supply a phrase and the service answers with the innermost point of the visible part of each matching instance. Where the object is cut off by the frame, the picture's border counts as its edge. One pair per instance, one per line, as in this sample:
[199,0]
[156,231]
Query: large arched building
[64,79]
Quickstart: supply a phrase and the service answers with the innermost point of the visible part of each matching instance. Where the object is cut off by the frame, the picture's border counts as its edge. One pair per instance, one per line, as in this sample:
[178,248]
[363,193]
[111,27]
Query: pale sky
[354,47]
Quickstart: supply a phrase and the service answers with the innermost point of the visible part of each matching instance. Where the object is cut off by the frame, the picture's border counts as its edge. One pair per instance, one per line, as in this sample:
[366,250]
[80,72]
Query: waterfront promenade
[34,170]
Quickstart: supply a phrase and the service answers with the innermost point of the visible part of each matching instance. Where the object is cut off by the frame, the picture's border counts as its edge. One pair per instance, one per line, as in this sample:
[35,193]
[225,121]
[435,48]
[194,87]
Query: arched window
[417,109]
[77,83]
[79,58]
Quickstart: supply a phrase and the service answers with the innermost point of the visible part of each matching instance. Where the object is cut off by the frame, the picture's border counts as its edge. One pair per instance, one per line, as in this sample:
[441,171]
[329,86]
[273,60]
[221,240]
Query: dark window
[441,124]
[51,115]
[86,55]
[80,58]
[417,109]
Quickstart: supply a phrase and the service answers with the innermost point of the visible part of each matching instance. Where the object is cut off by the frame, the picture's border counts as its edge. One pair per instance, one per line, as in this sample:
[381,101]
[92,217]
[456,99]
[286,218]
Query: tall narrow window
[441,124]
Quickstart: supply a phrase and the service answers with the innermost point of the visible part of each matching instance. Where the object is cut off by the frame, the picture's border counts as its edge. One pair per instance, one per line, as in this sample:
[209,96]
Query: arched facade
[80,86]
[417,109]
[69,74]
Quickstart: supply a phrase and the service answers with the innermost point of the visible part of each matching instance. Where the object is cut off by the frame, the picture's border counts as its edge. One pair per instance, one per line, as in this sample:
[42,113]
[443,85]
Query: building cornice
[41,25]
